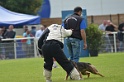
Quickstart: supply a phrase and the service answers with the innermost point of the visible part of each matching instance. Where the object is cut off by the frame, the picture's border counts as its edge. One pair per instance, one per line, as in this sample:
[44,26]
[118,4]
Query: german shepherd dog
[85,69]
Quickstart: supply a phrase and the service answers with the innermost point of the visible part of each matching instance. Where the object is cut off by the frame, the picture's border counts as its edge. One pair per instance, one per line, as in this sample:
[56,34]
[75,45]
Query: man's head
[28,31]
[25,27]
[11,27]
[43,27]
[33,27]
[105,22]
[109,22]
[78,10]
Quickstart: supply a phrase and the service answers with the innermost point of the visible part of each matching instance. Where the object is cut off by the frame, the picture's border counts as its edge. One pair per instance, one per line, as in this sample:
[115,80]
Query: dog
[85,69]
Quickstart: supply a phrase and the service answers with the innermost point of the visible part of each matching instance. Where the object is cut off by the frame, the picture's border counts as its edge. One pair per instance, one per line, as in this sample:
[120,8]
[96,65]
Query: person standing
[40,31]
[102,27]
[3,36]
[38,34]
[9,48]
[121,36]
[33,30]
[4,31]
[28,45]
[73,42]
[109,29]
[24,41]
[50,45]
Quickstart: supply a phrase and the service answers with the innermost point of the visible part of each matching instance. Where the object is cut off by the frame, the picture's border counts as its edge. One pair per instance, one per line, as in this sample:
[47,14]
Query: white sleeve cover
[65,32]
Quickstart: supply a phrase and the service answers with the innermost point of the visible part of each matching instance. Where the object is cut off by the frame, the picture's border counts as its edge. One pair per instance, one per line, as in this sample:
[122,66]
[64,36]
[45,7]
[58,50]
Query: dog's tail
[94,70]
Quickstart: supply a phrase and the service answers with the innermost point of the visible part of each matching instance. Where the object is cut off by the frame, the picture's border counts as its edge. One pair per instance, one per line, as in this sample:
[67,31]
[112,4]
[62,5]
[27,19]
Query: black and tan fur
[85,69]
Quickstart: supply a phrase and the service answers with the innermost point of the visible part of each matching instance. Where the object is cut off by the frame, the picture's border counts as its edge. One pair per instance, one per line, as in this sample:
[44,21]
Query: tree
[22,6]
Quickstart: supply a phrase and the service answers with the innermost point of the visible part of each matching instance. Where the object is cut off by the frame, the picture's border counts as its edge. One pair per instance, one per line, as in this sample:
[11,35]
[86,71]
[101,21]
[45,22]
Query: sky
[93,7]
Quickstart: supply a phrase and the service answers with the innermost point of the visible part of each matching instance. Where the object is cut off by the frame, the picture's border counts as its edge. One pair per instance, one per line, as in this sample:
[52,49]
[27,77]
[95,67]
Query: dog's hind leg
[95,71]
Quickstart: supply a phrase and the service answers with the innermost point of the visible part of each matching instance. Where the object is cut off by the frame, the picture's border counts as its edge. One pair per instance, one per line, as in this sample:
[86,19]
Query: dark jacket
[9,34]
[121,26]
[4,34]
[120,36]
[73,22]
[110,28]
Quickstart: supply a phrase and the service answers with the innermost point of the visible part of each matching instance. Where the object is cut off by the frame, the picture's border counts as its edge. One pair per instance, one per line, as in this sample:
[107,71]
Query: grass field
[31,69]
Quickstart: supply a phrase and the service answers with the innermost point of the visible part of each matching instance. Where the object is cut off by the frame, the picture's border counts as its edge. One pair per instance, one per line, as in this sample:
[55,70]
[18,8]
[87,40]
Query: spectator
[121,27]
[40,31]
[33,30]
[24,44]
[9,48]
[4,31]
[78,24]
[0,34]
[102,27]
[38,34]
[51,43]
[121,36]
[25,27]
[111,28]
[2,56]
[28,46]
[3,43]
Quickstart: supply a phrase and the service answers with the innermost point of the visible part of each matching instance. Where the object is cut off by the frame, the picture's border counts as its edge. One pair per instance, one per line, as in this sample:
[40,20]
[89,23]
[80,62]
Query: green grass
[31,69]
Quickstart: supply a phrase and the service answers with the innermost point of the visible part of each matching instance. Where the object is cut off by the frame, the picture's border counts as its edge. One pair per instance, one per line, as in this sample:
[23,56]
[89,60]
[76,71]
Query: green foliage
[22,6]
[94,37]
[31,69]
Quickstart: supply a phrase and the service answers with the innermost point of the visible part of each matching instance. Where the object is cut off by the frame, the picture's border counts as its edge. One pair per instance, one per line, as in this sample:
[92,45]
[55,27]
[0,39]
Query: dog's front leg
[80,75]
[66,76]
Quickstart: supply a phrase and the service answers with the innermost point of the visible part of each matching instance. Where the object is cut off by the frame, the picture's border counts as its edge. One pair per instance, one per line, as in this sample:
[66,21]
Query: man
[102,27]
[9,47]
[4,31]
[121,36]
[40,31]
[38,34]
[33,30]
[50,45]
[121,26]
[111,28]
[77,23]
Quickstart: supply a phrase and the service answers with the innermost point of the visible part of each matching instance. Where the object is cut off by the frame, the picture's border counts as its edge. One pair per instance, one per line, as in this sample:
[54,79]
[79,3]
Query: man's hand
[85,46]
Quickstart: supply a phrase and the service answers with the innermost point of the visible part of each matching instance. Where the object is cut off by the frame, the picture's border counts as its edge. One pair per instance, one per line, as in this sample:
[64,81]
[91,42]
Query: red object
[24,40]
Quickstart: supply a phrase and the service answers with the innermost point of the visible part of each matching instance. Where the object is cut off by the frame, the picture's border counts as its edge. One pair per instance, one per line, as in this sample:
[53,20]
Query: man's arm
[83,34]
[115,26]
